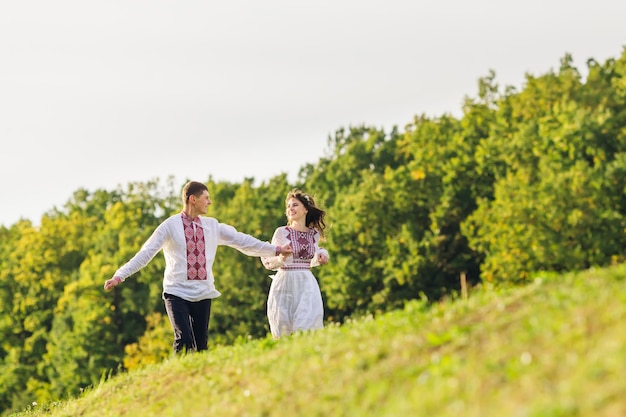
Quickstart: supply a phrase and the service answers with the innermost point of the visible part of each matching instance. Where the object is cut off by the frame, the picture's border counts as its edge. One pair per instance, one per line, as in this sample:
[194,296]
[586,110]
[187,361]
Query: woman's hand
[285,251]
[322,258]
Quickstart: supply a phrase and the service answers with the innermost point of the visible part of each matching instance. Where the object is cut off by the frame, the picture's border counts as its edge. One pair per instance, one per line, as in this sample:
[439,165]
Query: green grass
[556,347]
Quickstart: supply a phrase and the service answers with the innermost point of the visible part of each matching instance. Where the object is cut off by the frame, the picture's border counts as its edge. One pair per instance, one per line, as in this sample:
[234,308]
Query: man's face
[201,203]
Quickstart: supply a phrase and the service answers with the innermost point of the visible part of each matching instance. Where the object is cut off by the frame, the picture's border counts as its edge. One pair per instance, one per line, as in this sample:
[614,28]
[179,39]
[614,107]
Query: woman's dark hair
[314,215]
[193,188]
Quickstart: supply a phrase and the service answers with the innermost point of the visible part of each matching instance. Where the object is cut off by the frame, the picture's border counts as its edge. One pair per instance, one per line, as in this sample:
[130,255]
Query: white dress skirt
[294,301]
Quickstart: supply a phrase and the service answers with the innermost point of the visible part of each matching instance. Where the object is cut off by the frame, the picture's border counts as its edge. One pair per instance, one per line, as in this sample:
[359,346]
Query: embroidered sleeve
[315,261]
[274,262]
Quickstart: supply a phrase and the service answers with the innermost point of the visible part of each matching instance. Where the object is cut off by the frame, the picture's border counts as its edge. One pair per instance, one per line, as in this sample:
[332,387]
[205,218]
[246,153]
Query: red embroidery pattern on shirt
[194,240]
[303,244]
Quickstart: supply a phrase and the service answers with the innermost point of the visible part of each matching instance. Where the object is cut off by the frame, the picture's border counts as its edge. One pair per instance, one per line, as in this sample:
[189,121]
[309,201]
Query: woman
[295,301]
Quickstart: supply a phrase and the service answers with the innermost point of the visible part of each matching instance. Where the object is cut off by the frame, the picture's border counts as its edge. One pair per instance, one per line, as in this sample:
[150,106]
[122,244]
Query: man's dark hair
[193,188]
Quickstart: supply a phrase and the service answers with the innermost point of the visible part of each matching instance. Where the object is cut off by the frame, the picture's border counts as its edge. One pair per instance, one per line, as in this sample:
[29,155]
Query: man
[189,243]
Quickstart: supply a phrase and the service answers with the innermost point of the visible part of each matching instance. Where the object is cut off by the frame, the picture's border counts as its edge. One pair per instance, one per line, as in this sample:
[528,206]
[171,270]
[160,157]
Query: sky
[97,94]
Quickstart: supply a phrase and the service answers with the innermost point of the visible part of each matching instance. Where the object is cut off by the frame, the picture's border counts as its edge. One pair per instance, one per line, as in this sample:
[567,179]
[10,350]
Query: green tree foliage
[154,345]
[559,202]
[91,328]
[397,204]
[40,263]
[351,187]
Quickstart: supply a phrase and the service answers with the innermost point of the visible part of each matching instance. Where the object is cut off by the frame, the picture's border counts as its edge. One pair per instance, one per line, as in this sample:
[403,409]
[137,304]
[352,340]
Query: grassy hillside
[556,347]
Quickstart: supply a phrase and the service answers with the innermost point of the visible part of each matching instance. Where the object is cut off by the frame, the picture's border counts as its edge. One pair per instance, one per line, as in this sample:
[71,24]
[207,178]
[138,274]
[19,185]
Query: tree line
[524,181]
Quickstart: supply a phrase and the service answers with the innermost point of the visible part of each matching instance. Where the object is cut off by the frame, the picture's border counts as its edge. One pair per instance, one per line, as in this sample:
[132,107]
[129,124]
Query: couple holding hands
[189,243]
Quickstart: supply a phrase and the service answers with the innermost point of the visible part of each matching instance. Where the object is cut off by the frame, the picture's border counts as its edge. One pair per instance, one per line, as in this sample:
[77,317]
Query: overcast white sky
[96,94]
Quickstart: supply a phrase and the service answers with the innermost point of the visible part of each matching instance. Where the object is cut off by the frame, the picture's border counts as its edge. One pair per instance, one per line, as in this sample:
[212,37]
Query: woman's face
[295,210]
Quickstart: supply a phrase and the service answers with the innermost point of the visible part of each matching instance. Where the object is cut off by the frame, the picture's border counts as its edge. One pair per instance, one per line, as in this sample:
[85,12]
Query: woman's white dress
[295,300]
